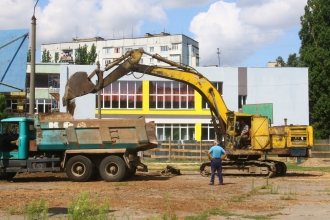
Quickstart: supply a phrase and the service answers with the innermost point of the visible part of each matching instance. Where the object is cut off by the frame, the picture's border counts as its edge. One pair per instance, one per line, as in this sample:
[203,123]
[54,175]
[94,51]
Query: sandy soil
[315,162]
[299,195]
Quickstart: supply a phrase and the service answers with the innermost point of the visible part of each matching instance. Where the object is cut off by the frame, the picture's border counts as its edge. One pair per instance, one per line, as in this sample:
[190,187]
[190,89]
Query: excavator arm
[80,84]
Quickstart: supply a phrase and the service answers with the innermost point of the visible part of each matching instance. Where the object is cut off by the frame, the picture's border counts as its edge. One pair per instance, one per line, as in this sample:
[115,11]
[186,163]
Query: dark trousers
[216,165]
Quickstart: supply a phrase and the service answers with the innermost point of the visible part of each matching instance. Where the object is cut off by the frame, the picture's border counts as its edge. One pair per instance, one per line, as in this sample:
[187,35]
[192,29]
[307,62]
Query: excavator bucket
[78,84]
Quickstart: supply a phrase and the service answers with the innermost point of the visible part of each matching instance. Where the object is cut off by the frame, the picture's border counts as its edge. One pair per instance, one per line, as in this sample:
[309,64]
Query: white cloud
[15,14]
[239,29]
[183,3]
[59,20]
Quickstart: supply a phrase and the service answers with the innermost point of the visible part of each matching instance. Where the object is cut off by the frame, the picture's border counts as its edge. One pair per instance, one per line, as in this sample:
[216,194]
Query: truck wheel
[112,169]
[79,169]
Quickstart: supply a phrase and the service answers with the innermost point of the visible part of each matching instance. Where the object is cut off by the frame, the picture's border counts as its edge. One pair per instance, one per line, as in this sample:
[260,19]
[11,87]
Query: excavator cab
[257,137]
[235,124]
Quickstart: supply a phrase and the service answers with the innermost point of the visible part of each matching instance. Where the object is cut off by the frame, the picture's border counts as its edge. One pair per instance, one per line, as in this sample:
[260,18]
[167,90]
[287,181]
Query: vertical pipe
[33,65]
[169,148]
[200,150]
[298,160]
[98,98]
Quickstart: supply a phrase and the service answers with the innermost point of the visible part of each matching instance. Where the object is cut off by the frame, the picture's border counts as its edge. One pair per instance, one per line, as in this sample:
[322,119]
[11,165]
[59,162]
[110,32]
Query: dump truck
[55,142]
[282,141]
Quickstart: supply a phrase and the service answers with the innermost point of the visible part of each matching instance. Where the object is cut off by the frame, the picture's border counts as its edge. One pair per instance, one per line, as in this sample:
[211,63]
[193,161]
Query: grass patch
[327,190]
[222,212]
[122,184]
[274,190]
[169,212]
[287,197]
[254,191]
[183,165]
[36,210]
[83,207]
[296,167]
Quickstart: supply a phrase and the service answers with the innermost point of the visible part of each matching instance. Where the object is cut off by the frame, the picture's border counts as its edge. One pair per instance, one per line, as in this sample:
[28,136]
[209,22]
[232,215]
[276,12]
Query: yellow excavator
[244,157]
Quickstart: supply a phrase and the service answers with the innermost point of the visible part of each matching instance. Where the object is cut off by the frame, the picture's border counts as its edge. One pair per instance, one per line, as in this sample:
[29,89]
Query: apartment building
[177,47]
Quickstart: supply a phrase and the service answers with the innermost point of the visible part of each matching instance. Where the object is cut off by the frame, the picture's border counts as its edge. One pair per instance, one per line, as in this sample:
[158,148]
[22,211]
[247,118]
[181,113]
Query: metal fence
[321,148]
[197,150]
[180,150]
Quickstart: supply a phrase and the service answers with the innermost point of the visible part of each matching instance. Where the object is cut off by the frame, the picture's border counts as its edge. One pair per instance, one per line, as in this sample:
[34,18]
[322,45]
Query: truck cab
[15,136]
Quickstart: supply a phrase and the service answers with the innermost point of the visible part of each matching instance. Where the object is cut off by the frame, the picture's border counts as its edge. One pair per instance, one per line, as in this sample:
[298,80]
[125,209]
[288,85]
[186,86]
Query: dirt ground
[298,195]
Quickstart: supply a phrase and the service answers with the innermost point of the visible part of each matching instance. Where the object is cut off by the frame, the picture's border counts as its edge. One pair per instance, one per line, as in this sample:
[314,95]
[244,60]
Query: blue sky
[248,32]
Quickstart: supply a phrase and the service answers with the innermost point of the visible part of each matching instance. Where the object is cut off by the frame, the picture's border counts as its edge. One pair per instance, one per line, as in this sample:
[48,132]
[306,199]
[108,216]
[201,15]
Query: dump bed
[59,131]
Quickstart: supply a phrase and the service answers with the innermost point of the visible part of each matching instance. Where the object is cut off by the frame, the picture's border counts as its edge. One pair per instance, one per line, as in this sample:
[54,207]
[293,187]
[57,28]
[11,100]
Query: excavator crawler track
[266,168]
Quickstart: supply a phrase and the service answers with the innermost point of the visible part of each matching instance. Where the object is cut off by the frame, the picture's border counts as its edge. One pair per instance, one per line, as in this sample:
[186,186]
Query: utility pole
[99,92]
[218,56]
[33,61]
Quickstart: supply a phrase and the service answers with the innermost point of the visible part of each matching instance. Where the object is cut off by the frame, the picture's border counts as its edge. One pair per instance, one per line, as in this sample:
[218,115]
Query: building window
[151,60]
[208,132]
[175,132]
[175,58]
[106,62]
[171,95]
[43,105]
[122,95]
[217,85]
[151,49]
[164,48]
[175,46]
[241,101]
[107,50]
[141,61]
[116,50]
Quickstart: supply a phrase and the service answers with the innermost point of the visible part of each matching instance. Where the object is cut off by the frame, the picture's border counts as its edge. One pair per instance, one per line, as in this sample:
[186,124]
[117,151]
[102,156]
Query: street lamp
[33,61]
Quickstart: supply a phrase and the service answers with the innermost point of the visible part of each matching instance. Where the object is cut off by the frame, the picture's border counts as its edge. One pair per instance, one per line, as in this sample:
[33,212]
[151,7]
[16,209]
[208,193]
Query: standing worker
[216,163]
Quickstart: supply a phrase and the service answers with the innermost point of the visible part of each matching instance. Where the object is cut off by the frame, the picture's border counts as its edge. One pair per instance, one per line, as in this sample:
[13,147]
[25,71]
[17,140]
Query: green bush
[36,210]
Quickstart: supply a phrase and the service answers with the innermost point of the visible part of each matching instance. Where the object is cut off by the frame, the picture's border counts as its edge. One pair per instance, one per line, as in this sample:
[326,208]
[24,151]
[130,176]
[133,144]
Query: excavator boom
[80,83]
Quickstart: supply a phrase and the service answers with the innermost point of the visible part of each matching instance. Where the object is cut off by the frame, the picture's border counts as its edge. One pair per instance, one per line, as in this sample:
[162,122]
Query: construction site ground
[297,195]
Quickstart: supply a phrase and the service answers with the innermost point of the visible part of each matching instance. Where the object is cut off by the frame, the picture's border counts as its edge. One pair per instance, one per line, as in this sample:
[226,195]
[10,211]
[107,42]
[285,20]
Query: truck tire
[79,169]
[112,169]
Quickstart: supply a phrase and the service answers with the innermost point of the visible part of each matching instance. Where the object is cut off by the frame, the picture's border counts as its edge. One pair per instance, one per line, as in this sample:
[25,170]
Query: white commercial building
[285,88]
[178,48]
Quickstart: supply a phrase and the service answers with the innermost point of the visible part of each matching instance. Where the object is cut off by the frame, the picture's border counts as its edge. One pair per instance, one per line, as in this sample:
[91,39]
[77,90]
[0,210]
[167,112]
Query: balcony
[66,58]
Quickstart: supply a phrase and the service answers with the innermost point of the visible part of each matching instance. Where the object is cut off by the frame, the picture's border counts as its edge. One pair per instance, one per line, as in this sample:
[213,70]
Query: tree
[4,113]
[57,57]
[83,57]
[279,62]
[46,57]
[293,61]
[92,55]
[29,55]
[315,53]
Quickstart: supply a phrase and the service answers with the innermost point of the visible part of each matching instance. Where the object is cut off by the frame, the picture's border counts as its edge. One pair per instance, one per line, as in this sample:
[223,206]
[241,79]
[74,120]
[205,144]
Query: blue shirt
[217,151]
